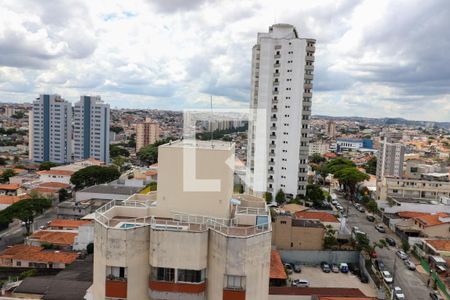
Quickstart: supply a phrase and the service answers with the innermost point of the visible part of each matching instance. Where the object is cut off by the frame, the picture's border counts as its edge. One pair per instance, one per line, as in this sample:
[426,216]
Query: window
[235,282]
[18,263]
[191,275]
[163,274]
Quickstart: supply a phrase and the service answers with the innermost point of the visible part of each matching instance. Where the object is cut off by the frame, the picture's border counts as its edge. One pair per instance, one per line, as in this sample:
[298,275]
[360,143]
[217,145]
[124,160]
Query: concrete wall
[315,257]
[81,196]
[285,236]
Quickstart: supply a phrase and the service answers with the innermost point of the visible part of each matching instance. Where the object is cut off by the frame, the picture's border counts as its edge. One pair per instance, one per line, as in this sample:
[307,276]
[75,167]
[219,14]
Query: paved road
[410,281]
[15,234]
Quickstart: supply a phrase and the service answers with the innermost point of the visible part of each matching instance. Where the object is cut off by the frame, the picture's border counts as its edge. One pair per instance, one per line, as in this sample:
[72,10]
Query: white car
[398,293]
[387,276]
[300,283]
[402,254]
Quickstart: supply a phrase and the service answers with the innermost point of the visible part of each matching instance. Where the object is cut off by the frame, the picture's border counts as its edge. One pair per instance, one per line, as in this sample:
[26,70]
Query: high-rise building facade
[331,129]
[91,129]
[191,239]
[390,160]
[50,129]
[282,75]
[146,133]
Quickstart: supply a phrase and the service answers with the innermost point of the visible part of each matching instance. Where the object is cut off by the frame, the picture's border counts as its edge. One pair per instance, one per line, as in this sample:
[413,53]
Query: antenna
[210,123]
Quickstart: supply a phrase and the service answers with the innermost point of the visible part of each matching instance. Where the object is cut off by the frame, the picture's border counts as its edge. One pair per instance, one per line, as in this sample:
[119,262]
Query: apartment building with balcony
[146,133]
[281,93]
[91,129]
[192,239]
[50,129]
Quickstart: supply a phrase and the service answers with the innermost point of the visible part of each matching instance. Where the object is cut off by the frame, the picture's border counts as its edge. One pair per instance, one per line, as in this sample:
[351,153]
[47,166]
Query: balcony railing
[177,287]
[116,288]
[276,74]
[309,58]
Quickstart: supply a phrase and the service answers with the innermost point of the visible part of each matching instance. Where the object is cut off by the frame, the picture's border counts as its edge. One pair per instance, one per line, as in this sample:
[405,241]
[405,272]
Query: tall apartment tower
[146,133]
[391,156]
[282,75]
[331,129]
[50,129]
[91,129]
[191,239]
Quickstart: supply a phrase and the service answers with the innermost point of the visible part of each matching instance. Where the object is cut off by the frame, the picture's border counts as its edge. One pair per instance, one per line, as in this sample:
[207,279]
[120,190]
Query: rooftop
[307,223]
[56,185]
[10,187]
[316,215]
[198,144]
[54,237]
[56,172]
[276,266]
[8,200]
[433,219]
[439,245]
[112,189]
[68,223]
[37,254]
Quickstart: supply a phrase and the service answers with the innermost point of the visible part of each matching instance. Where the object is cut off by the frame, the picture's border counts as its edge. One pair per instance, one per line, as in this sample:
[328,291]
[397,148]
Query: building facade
[331,129]
[50,129]
[390,160]
[282,75]
[146,133]
[413,189]
[91,129]
[192,239]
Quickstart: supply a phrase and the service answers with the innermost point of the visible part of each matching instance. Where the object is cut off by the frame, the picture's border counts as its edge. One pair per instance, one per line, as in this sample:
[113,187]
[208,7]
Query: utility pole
[393,277]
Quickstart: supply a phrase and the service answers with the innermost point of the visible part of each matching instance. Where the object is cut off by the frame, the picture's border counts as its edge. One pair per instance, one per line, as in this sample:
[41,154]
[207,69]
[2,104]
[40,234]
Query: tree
[268,197]
[93,175]
[329,241]
[362,243]
[47,165]
[280,197]
[6,174]
[149,153]
[18,115]
[337,164]
[372,206]
[315,194]
[119,162]
[405,246]
[349,177]
[371,166]
[116,129]
[115,151]
[63,195]
[316,158]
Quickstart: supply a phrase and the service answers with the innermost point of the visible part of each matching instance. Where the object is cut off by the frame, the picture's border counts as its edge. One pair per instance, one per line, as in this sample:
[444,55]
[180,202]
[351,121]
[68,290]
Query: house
[6,201]
[62,176]
[106,192]
[437,247]
[59,239]
[418,224]
[74,210]
[327,219]
[11,189]
[27,256]
[73,225]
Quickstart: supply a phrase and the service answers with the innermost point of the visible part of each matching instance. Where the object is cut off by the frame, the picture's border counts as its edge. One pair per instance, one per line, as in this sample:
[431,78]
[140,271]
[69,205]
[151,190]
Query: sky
[383,58]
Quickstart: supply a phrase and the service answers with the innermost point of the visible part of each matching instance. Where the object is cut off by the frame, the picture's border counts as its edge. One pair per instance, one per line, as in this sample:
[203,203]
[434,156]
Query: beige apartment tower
[146,133]
[192,239]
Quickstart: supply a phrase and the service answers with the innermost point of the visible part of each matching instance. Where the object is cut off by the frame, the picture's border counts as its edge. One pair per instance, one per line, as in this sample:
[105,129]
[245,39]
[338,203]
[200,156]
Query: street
[410,281]
[16,233]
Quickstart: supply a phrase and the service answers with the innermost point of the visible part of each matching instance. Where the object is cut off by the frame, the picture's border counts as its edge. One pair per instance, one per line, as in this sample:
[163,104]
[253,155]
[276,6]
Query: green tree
[349,177]
[362,243]
[18,115]
[405,246]
[47,165]
[6,174]
[116,129]
[371,166]
[115,151]
[372,206]
[316,158]
[93,175]
[268,197]
[315,195]
[280,197]
[149,153]
[63,195]
[119,162]
[330,240]
[334,165]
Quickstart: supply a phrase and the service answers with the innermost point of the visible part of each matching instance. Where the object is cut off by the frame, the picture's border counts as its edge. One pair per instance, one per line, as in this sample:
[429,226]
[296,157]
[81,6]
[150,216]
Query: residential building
[346,144]
[436,247]
[73,210]
[281,93]
[11,189]
[6,201]
[91,129]
[146,133]
[331,129]
[61,176]
[106,192]
[412,189]
[416,224]
[50,130]
[291,233]
[26,256]
[192,239]
[390,160]
[318,148]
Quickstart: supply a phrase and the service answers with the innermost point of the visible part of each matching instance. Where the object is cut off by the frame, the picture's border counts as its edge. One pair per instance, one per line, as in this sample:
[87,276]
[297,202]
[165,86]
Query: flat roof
[111,189]
[214,144]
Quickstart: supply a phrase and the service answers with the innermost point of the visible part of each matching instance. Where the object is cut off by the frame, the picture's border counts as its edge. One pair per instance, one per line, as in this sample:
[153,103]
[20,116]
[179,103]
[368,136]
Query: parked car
[398,293]
[297,267]
[334,268]
[288,268]
[343,267]
[364,278]
[402,254]
[380,228]
[370,218]
[409,264]
[390,241]
[387,276]
[300,283]
[379,264]
[435,295]
[325,267]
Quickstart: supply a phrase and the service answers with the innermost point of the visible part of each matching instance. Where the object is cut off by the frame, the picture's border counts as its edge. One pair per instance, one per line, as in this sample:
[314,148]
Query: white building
[318,148]
[50,130]
[390,160]
[282,74]
[91,129]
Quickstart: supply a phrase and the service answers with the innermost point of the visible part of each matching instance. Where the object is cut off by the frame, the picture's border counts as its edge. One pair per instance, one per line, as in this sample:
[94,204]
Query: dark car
[379,264]
[370,218]
[390,241]
[364,278]
[325,267]
[435,296]
[297,268]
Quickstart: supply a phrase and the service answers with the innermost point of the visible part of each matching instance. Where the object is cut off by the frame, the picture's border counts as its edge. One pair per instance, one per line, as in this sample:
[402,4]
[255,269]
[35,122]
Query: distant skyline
[386,58]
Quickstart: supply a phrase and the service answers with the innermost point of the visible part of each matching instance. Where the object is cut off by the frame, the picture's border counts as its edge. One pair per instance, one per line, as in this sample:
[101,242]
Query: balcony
[272,146]
[274,101]
[277,56]
[273,127]
[177,287]
[271,154]
[309,76]
[270,180]
[115,288]
[307,94]
[229,294]
[271,163]
[275,92]
[270,172]
[308,86]
[276,74]
[276,65]
[273,119]
[309,58]
[311,48]
[274,110]
[273,137]
[276,83]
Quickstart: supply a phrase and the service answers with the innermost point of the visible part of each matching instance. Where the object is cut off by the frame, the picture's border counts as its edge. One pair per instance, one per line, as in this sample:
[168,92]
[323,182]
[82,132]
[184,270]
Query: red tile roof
[316,215]
[276,266]
[68,223]
[10,187]
[55,237]
[37,254]
[13,199]
[432,219]
[56,185]
[56,172]
[44,190]
[151,173]
[440,245]
[410,214]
